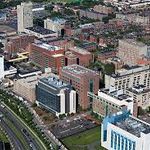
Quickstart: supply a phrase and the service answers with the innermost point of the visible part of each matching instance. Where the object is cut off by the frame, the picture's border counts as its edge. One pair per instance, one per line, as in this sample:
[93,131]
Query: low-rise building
[122,131]
[56,96]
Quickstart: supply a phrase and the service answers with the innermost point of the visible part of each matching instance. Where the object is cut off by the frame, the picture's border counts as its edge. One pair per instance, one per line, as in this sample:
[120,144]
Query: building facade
[128,78]
[110,102]
[24,16]
[124,132]
[1,67]
[52,56]
[83,80]
[56,96]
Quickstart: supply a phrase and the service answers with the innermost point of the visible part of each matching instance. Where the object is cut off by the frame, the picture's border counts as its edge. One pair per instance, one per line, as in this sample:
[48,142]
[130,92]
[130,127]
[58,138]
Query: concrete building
[55,24]
[141,95]
[25,16]
[124,132]
[103,9]
[40,32]
[131,51]
[45,55]
[56,96]
[108,102]
[83,80]
[128,78]
[26,87]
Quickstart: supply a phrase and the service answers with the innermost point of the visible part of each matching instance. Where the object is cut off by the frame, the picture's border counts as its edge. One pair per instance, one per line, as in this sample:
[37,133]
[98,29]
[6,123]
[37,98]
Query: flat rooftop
[79,50]
[140,89]
[133,42]
[130,70]
[47,46]
[134,126]
[41,30]
[54,82]
[78,70]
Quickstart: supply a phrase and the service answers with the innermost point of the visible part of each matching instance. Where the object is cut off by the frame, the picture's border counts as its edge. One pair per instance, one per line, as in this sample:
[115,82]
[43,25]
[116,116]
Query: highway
[27,141]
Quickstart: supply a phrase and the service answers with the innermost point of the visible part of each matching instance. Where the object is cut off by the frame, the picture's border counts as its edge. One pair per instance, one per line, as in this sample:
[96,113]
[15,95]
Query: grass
[3,137]
[80,141]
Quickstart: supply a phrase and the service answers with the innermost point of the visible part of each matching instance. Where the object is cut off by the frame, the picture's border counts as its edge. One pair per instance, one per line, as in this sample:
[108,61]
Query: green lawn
[82,140]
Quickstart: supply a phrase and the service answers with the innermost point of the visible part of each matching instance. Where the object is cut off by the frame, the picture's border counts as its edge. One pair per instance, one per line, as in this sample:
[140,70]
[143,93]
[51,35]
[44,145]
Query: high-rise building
[56,96]
[124,132]
[1,67]
[83,80]
[25,16]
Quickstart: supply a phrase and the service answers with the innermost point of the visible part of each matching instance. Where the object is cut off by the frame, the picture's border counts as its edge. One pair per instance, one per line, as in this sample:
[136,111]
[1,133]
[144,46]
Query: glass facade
[120,142]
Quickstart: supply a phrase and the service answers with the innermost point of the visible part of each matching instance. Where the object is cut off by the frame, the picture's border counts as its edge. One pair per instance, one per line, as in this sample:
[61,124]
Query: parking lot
[68,127]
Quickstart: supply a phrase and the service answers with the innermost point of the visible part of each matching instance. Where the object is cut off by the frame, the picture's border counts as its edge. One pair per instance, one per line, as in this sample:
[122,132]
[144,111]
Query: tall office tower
[25,16]
[1,67]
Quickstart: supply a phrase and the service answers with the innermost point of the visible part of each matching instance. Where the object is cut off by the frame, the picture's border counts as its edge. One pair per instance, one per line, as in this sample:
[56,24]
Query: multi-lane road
[21,137]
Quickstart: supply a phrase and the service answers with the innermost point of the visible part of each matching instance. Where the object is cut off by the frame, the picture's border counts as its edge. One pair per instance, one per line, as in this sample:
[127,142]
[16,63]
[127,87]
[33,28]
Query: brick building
[83,56]
[45,55]
[83,80]
[18,43]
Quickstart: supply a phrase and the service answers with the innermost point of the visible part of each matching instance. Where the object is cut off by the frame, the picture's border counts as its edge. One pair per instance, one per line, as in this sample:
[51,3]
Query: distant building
[25,16]
[17,44]
[83,80]
[92,14]
[45,55]
[40,32]
[55,24]
[128,78]
[131,51]
[103,9]
[56,96]
[124,132]
[83,56]
[108,102]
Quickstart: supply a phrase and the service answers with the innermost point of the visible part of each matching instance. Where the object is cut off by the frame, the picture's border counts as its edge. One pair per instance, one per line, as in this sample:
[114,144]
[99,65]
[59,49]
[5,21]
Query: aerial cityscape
[74,74]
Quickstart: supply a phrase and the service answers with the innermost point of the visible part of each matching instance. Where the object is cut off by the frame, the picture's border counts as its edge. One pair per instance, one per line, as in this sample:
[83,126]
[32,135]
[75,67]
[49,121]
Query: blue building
[56,96]
[122,131]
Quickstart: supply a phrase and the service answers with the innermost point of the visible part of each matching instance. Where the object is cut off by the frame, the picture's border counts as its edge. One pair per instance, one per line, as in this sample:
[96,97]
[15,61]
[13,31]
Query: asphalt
[29,139]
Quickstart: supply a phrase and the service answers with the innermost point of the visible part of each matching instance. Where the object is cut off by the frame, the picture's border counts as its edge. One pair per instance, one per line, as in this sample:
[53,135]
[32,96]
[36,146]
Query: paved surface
[32,143]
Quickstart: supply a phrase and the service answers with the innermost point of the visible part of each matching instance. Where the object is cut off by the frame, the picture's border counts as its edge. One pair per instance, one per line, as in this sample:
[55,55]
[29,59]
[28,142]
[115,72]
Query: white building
[24,16]
[1,67]
[128,78]
[141,95]
[124,132]
[56,24]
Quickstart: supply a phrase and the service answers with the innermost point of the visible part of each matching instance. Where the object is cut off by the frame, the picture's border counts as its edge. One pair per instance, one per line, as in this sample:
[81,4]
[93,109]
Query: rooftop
[41,30]
[54,82]
[47,46]
[57,20]
[130,70]
[140,89]
[134,126]
[79,50]
[78,70]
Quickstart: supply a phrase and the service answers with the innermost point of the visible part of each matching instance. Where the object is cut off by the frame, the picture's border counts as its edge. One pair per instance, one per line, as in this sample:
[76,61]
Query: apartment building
[131,51]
